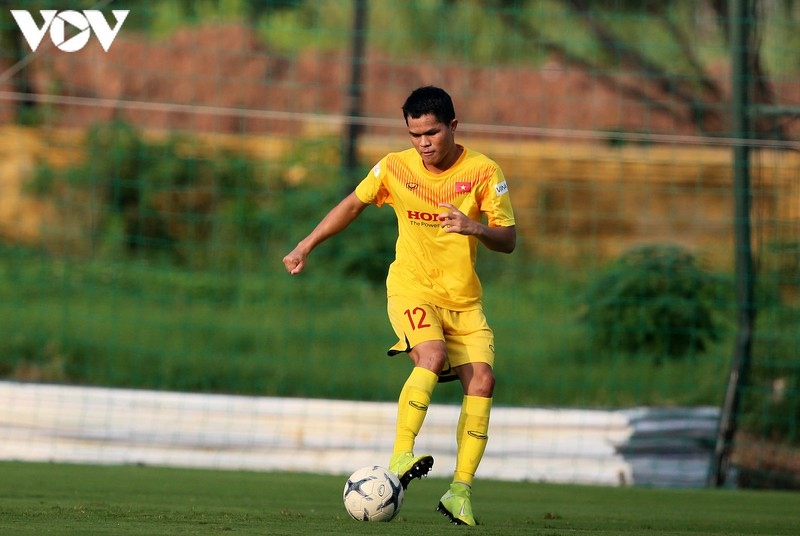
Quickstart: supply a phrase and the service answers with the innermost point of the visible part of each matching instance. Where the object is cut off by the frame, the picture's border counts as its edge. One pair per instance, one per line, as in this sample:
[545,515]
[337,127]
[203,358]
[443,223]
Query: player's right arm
[334,222]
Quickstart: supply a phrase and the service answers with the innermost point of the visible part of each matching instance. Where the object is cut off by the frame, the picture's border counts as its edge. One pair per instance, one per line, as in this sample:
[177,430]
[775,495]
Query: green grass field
[38,499]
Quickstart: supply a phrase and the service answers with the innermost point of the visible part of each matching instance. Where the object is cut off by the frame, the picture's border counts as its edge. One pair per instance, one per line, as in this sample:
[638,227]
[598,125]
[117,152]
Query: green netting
[150,191]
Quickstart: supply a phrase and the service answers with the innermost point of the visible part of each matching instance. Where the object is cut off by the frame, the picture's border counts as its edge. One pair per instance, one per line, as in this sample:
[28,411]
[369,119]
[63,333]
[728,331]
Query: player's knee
[481,383]
[486,385]
[433,359]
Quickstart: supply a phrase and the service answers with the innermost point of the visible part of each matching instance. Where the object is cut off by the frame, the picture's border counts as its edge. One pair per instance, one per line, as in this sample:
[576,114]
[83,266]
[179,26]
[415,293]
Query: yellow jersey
[431,264]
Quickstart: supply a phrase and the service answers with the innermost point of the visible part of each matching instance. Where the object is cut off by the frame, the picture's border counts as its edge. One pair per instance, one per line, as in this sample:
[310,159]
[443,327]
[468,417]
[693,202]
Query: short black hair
[429,100]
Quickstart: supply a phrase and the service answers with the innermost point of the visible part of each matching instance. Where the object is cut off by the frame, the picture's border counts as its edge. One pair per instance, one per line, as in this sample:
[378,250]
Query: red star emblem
[463,187]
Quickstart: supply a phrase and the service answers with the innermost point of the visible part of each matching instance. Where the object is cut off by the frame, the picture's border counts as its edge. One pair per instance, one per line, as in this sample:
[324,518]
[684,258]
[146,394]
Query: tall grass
[146,326]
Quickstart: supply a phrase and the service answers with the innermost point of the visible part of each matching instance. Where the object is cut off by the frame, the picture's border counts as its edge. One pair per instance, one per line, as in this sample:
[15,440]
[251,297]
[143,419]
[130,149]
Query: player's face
[434,141]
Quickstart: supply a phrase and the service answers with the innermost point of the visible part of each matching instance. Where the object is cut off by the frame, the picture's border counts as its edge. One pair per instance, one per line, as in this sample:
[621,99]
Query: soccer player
[441,192]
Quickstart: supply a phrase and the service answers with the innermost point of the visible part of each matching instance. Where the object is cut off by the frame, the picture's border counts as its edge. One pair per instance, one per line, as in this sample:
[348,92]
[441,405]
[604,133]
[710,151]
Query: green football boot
[456,505]
[407,467]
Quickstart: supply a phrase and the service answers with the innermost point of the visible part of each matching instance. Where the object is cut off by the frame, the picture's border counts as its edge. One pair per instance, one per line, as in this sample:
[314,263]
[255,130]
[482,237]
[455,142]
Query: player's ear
[453,125]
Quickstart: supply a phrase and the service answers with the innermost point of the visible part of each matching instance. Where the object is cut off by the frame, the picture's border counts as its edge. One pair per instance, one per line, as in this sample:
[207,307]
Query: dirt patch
[22,215]
[572,198]
[199,75]
[761,464]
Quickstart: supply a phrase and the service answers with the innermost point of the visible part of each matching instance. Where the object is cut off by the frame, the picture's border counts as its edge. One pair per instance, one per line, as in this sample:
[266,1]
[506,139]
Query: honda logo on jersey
[424,216]
[69,30]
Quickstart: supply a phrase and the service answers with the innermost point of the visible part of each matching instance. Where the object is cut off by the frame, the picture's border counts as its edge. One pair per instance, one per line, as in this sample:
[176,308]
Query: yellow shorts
[466,334]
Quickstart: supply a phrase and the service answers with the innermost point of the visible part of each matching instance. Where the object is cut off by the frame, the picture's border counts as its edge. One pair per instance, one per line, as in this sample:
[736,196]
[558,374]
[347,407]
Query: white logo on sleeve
[377,169]
[501,188]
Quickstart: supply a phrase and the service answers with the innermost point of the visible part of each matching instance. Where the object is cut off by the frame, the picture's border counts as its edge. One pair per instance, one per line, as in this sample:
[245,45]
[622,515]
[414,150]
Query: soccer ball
[373,494]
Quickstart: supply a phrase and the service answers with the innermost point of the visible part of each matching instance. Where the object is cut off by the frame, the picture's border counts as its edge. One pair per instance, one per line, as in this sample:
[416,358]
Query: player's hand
[295,262]
[455,221]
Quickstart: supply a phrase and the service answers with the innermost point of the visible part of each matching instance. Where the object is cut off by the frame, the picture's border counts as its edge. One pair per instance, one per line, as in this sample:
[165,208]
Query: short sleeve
[495,201]
[372,188]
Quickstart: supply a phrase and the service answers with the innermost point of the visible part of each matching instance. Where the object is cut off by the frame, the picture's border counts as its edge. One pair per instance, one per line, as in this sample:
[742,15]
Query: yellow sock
[471,437]
[412,407]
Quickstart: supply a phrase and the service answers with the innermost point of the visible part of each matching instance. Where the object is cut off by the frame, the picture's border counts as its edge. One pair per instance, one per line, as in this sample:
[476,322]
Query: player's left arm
[501,239]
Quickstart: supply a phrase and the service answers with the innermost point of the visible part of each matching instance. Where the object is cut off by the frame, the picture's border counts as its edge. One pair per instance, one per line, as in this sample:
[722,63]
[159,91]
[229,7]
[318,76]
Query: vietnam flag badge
[463,187]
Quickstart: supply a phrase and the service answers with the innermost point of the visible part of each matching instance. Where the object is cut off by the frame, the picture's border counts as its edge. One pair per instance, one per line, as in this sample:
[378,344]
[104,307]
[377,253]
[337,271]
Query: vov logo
[84,23]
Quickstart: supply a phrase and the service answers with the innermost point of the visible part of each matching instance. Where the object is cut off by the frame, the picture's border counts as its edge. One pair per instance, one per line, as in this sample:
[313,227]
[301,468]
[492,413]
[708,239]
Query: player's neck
[447,162]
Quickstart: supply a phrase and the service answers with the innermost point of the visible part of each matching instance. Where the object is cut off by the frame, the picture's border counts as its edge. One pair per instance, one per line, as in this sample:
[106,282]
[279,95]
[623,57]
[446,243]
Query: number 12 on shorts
[416,318]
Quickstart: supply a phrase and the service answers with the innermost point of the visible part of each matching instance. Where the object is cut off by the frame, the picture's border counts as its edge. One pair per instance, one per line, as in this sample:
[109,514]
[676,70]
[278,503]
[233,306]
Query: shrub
[655,300]
[194,205]
[175,199]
